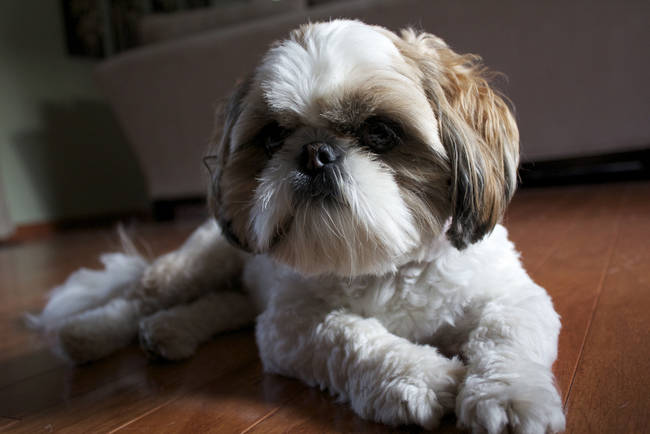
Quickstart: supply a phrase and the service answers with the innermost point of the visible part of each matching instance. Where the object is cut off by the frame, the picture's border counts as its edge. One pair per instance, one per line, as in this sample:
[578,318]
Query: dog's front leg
[384,377]
[509,354]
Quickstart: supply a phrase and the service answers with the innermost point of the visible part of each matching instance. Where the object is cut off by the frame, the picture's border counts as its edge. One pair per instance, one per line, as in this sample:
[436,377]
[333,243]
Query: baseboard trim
[614,167]
[41,230]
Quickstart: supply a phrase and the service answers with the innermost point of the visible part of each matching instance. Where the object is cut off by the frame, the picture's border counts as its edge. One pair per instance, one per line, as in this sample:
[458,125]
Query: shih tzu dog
[360,179]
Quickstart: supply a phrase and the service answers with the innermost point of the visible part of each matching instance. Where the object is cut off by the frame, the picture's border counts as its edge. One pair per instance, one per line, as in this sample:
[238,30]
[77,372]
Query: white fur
[479,302]
[337,56]
[88,317]
[355,297]
[85,289]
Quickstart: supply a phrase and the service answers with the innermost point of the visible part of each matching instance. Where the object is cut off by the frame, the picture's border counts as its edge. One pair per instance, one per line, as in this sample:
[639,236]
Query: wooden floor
[588,245]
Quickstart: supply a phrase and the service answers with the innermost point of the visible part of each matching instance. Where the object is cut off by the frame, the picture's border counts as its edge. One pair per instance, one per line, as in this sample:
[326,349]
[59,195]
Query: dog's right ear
[220,146]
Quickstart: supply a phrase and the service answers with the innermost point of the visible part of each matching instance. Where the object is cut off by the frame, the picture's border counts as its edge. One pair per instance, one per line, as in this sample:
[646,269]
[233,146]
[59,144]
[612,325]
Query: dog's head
[350,148]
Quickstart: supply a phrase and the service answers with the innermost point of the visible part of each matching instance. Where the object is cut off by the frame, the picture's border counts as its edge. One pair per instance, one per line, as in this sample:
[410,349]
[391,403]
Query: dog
[360,177]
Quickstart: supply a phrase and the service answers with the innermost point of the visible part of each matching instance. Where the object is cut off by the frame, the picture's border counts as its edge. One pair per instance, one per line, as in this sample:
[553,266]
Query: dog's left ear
[477,130]
[219,152]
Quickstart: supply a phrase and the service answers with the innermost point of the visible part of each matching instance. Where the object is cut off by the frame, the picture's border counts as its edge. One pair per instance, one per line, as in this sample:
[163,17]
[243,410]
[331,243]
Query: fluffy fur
[359,182]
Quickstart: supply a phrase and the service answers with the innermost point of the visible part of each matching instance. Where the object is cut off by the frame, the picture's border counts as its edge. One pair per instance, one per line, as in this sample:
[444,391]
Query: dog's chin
[321,236]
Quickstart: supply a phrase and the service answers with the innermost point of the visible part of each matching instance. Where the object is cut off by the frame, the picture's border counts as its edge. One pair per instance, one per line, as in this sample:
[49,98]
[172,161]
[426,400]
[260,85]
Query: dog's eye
[272,137]
[380,134]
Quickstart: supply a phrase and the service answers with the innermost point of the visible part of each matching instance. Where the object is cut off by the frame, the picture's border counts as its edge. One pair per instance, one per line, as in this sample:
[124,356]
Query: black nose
[315,156]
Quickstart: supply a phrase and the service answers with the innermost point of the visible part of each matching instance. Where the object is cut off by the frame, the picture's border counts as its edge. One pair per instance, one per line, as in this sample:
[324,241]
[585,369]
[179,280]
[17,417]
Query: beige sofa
[576,73]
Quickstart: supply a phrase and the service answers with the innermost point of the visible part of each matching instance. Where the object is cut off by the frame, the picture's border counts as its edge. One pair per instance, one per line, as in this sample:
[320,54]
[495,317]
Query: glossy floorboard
[589,245]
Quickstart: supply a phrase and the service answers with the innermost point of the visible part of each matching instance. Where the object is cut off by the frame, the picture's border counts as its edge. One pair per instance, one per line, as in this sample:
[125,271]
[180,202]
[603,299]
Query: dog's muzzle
[319,171]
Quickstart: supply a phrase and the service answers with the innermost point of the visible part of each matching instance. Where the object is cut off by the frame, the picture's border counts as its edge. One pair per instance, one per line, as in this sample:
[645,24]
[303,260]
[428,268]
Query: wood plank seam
[175,397]
[265,417]
[10,424]
[599,291]
[610,394]
[140,416]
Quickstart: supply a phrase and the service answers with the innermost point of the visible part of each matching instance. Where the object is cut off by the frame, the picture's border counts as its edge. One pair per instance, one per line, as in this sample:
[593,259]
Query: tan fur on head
[477,130]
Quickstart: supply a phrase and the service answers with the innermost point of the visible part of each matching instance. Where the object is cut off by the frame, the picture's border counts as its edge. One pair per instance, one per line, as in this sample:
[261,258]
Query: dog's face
[351,147]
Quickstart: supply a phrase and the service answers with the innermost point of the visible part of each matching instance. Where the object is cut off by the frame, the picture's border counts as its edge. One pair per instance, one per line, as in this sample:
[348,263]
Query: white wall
[62,154]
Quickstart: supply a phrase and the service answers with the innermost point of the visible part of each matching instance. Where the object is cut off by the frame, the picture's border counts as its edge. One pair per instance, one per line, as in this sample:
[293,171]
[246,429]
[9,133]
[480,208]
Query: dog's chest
[414,302]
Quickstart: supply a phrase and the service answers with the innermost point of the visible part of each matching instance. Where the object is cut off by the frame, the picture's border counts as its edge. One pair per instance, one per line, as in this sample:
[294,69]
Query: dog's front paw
[421,396]
[163,339]
[525,404]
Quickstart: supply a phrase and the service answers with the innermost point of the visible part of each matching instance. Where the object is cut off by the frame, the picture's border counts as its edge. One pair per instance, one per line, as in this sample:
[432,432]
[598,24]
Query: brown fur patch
[476,128]
[423,178]
[233,181]
[237,187]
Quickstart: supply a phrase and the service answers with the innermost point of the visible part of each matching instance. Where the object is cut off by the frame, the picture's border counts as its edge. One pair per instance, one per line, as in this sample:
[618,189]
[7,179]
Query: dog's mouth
[323,185]
[312,196]
[317,201]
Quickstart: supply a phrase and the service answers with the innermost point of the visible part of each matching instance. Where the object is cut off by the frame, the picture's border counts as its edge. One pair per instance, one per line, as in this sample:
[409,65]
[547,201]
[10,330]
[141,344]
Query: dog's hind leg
[88,289]
[96,312]
[172,333]
[175,333]
[98,332]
